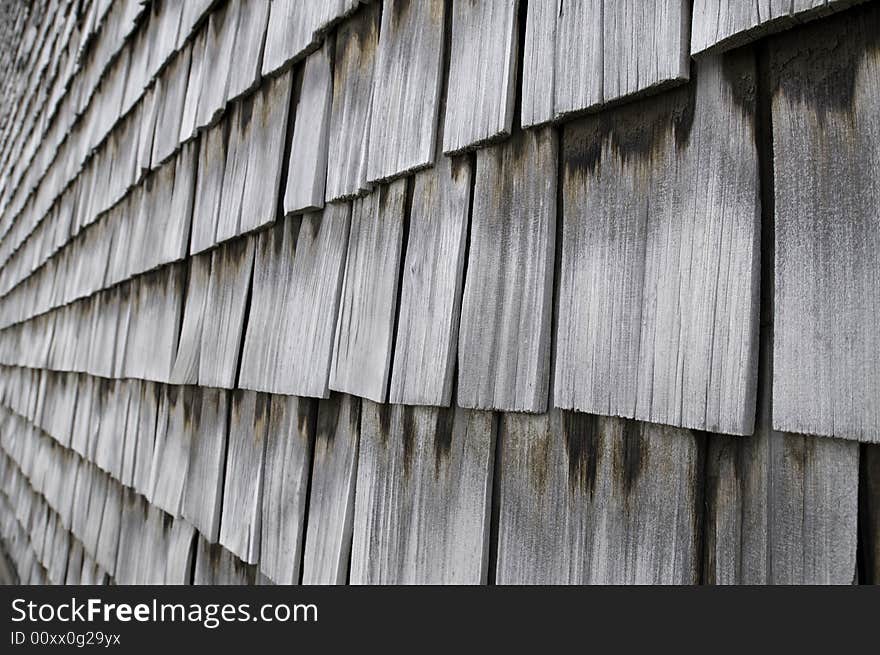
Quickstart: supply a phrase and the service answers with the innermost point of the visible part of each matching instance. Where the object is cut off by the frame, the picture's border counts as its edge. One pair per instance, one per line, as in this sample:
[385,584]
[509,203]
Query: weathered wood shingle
[825,85]
[482,73]
[406,88]
[658,295]
[504,337]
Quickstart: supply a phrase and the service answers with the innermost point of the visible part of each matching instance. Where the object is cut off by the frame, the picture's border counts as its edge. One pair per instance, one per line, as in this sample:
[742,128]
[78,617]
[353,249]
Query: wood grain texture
[331,497]
[209,188]
[217,566]
[424,489]
[825,85]
[591,500]
[171,87]
[223,323]
[782,509]
[644,46]
[354,61]
[433,271]
[297,286]
[265,153]
[539,69]
[202,495]
[291,436]
[307,169]
[250,38]
[482,74]
[365,327]
[296,27]
[658,295]
[406,88]
[723,25]
[579,56]
[218,61]
[186,362]
[504,338]
[240,525]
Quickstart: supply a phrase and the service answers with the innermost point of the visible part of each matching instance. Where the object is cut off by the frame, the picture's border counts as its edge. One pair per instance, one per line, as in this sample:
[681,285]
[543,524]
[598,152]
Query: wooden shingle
[504,337]
[658,294]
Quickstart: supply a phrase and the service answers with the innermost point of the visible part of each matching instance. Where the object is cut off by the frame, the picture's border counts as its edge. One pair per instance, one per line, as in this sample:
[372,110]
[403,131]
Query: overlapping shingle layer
[398,291]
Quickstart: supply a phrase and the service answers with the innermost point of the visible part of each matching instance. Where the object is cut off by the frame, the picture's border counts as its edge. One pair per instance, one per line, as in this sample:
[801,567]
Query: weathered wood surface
[250,38]
[825,85]
[781,509]
[307,169]
[644,46]
[406,88]
[424,490]
[290,438]
[658,294]
[218,60]
[504,338]
[265,153]
[171,87]
[433,272]
[186,362]
[579,56]
[585,499]
[354,61]
[365,326]
[331,497]
[223,322]
[296,26]
[726,24]
[482,73]
[217,566]
[240,524]
[297,286]
[209,187]
[202,495]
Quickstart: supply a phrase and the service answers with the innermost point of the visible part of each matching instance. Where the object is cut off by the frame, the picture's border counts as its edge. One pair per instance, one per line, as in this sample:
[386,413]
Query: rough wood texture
[250,37]
[825,85]
[406,88]
[288,460]
[307,170]
[265,153]
[482,73]
[331,498]
[586,500]
[782,509]
[298,284]
[240,525]
[658,295]
[727,24]
[581,55]
[365,328]
[430,301]
[296,26]
[357,41]
[424,489]
[223,323]
[207,454]
[504,339]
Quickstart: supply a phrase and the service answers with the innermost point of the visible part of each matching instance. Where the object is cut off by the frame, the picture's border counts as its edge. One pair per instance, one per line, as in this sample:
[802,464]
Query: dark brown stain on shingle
[581,434]
[383,413]
[443,433]
[633,132]
[818,64]
[408,438]
[634,454]
[399,11]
